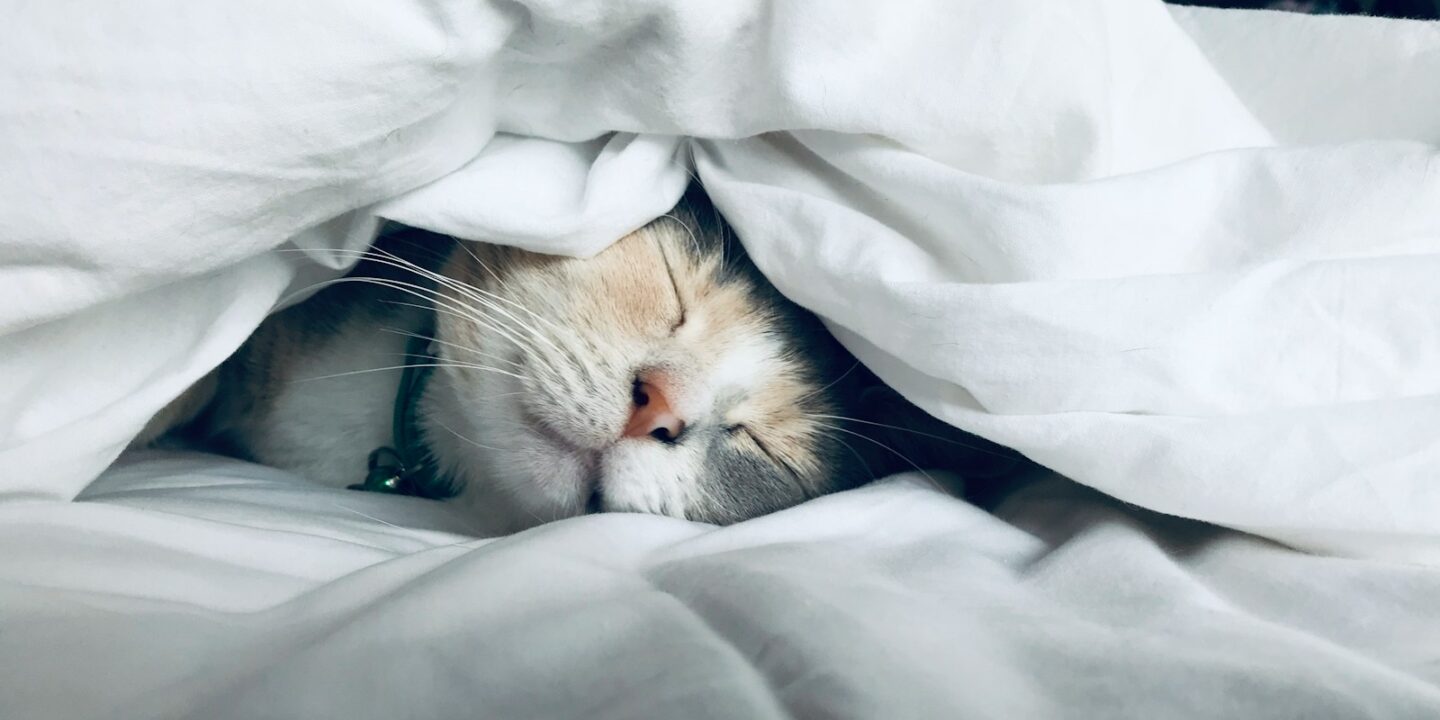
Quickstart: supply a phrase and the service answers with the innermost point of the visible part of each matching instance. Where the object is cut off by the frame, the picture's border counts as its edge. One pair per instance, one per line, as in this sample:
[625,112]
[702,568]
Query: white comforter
[1187,258]
[190,587]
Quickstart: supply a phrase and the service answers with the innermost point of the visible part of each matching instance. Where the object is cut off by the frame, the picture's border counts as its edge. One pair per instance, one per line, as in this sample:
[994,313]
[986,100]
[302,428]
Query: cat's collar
[406,466]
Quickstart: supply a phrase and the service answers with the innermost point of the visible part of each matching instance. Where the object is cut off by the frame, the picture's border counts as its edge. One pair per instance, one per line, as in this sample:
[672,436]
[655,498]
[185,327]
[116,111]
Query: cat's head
[664,375]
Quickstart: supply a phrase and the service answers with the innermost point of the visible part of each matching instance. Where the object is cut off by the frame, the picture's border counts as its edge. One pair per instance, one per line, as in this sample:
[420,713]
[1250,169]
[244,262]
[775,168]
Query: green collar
[406,467]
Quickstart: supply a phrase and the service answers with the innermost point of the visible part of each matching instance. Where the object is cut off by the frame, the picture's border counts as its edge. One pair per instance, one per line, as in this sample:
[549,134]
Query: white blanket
[1185,257]
[187,587]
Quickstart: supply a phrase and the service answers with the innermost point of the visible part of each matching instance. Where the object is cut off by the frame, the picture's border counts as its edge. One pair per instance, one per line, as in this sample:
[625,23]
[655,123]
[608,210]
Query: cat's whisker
[831,384]
[493,396]
[434,296]
[468,317]
[369,517]
[316,287]
[968,446]
[476,294]
[499,319]
[452,431]
[412,289]
[506,330]
[483,265]
[852,450]
[503,285]
[457,346]
[515,322]
[928,477]
[442,304]
[402,367]
[509,326]
[453,364]
[399,262]
[524,381]
[694,239]
[725,237]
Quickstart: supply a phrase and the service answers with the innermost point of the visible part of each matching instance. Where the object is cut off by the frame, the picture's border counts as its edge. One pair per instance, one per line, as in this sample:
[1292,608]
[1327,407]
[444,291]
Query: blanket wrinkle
[1211,184]
[891,599]
[754,662]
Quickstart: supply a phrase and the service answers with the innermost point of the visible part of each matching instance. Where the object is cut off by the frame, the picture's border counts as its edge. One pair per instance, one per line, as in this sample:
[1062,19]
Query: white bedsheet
[1185,257]
[287,600]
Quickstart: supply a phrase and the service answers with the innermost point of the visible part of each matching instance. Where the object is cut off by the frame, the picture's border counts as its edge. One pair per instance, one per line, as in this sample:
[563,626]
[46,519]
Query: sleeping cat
[664,375]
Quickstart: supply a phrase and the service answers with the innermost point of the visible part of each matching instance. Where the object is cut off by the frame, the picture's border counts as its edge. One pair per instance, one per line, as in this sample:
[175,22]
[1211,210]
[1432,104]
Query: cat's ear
[902,437]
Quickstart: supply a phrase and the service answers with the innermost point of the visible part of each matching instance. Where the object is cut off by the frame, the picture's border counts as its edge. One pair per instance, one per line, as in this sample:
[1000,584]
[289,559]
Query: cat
[664,375]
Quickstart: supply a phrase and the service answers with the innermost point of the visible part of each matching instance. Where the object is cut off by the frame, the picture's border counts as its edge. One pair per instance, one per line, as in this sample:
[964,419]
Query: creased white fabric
[1185,257]
[182,586]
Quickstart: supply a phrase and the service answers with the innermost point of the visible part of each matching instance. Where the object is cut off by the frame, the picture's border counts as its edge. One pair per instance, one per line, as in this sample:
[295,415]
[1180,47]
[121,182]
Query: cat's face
[661,376]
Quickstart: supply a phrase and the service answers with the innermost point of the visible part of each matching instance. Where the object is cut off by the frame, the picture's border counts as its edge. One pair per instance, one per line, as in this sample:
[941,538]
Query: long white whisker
[402,367]
[893,451]
[498,281]
[459,303]
[831,384]
[854,452]
[412,289]
[439,300]
[438,341]
[443,304]
[480,295]
[463,365]
[959,443]
[469,317]
[694,240]
[434,296]
[452,431]
[389,259]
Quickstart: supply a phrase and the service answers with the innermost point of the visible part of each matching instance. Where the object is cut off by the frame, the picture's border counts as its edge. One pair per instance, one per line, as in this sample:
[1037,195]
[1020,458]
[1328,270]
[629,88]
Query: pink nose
[651,415]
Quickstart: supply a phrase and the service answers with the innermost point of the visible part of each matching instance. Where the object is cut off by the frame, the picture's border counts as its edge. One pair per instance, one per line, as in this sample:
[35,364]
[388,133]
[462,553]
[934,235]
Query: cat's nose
[651,414]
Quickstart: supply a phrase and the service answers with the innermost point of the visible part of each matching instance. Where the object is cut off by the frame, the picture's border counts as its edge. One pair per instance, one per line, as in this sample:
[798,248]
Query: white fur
[517,477]
[744,362]
[324,429]
[641,475]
